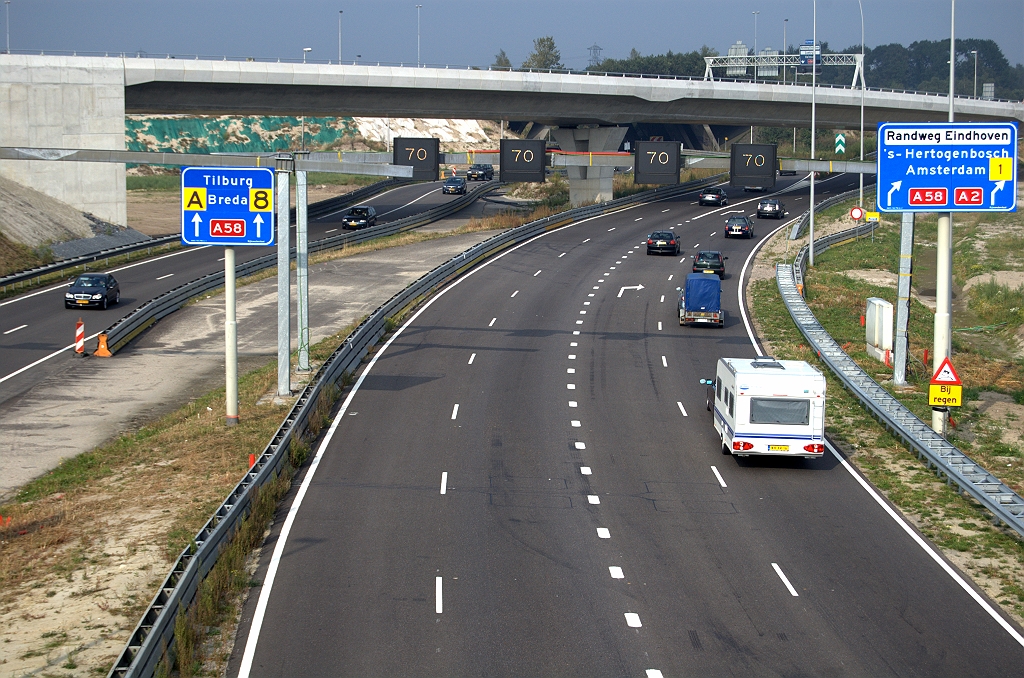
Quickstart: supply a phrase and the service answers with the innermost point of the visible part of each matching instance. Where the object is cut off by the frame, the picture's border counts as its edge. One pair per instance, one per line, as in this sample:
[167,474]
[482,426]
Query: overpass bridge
[80,102]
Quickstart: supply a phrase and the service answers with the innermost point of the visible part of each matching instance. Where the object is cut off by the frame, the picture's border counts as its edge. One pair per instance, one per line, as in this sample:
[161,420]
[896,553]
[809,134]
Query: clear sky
[461,32]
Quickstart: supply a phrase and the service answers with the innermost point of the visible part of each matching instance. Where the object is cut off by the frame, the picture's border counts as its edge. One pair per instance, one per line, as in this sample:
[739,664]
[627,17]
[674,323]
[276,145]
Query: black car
[770,208]
[661,242]
[361,216]
[480,172]
[454,185]
[709,261]
[739,226]
[713,196]
[93,289]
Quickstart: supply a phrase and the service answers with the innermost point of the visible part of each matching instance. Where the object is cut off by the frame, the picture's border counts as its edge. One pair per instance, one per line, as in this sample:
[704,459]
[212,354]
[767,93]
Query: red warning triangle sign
[946,374]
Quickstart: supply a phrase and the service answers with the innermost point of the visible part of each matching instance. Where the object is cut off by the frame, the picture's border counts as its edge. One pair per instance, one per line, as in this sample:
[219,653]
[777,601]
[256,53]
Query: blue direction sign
[227,206]
[947,167]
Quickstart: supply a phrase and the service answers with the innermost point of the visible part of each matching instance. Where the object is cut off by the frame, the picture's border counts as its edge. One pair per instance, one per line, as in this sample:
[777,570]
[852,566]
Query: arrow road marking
[259,222]
[895,187]
[632,287]
[999,187]
[197,220]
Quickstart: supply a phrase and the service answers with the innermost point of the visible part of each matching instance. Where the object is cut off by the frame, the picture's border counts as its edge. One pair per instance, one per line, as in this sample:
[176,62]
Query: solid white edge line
[782,576]
[275,559]
[439,605]
[444,482]
[44,359]
[934,555]
[455,411]
[718,475]
[740,291]
[682,409]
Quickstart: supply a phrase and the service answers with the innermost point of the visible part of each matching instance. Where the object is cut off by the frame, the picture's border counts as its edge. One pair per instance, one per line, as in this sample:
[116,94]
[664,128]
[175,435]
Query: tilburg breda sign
[228,206]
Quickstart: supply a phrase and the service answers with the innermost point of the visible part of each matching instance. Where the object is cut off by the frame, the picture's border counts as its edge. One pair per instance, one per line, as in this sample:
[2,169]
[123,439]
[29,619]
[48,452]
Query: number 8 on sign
[261,200]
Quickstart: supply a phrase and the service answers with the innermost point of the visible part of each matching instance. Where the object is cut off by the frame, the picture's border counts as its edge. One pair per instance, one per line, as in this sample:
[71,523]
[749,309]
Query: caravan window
[719,389]
[780,411]
[731,412]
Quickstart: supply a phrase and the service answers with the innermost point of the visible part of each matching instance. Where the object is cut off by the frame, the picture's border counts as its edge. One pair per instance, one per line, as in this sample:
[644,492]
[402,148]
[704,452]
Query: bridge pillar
[588,185]
[66,102]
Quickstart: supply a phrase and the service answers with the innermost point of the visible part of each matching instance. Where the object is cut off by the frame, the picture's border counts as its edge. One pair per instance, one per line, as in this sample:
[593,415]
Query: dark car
[480,172]
[742,226]
[661,242]
[713,196]
[709,261]
[93,289]
[454,185]
[770,208]
[361,216]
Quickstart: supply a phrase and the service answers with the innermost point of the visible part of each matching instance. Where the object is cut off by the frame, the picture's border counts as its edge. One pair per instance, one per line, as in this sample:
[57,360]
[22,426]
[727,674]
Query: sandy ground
[32,218]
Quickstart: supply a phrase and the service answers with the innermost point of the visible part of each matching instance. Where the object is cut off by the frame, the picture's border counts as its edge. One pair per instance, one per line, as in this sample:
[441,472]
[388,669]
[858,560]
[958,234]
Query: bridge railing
[154,634]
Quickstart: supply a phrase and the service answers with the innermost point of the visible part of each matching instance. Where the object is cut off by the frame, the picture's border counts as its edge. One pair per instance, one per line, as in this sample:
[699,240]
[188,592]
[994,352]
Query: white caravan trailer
[765,406]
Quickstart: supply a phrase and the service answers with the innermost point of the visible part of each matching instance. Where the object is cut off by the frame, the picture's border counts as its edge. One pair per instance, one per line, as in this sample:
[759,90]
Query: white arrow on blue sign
[227,206]
[947,167]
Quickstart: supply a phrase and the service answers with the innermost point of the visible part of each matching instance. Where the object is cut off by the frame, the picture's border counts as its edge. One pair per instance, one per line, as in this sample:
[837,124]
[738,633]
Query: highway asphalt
[37,332]
[525,482]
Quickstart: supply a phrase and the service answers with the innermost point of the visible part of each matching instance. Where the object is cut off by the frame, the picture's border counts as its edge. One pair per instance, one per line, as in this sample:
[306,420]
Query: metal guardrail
[154,634]
[805,218]
[317,209]
[959,469]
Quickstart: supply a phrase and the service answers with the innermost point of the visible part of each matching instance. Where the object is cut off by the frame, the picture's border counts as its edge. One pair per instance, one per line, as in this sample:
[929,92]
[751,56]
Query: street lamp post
[340,12]
[814,120]
[860,4]
[305,51]
[755,45]
[418,8]
[8,25]
[785,24]
[975,53]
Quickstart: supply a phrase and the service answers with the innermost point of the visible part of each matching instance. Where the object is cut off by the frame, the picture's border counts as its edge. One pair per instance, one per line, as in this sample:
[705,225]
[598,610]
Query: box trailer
[700,300]
[764,406]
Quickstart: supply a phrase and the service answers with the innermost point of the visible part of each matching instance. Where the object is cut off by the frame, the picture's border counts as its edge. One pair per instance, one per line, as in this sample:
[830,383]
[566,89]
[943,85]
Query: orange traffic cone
[102,351]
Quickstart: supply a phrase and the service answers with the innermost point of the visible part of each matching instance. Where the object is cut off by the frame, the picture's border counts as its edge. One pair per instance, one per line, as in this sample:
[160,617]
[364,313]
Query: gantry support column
[588,185]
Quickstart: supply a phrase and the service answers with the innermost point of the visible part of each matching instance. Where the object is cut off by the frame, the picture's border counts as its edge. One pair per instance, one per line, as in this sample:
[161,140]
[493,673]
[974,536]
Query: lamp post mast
[340,12]
[755,46]
[785,24]
[418,8]
[814,113]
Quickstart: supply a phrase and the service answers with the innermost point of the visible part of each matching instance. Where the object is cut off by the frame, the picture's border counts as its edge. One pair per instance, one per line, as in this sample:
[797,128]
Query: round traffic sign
[857,213]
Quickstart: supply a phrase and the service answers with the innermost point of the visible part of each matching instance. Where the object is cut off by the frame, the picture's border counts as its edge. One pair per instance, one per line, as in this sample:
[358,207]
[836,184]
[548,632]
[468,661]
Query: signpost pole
[814,112]
[282,168]
[230,340]
[302,266]
[899,373]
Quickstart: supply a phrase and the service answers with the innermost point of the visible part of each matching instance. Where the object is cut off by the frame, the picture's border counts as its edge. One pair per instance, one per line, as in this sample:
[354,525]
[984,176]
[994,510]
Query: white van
[765,406]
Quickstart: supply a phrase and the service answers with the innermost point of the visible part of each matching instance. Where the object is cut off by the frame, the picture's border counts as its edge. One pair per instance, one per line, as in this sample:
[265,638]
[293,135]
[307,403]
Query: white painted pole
[284,321]
[230,340]
[814,111]
[302,268]
[860,201]
[941,337]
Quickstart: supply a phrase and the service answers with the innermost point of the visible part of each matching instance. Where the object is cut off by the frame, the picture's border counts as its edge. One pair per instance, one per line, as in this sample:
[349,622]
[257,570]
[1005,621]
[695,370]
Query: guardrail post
[899,373]
[283,165]
[302,264]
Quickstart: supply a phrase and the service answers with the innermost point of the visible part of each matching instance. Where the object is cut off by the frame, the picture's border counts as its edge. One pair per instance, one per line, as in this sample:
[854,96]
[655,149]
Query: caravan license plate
[778,448]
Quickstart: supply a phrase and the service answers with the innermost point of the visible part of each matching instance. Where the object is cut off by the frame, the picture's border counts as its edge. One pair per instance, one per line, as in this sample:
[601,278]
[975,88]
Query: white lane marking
[659,322]
[170,274]
[472,357]
[21,327]
[573,343]
[576,331]
[654,673]
[579,322]
[536,274]
[694,247]
[682,260]
[633,620]
[672,228]
[593,499]
[571,387]
[682,409]
[671,276]
[587,303]
[662,299]
[570,370]
[721,481]
[331,231]
[712,235]
[587,240]
[455,411]
[44,359]
[394,210]
[580,446]
[260,612]
[492,322]
[596,287]
[638,219]
[610,268]
[743,273]
[439,605]
[585,470]
[444,482]
[561,255]
[583,312]
[618,262]
[572,403]
[663,211]
[575,423]
[221,259]
[515,293]
[611,229]
[572,356]
[782,576]
[732,212]
[664,362]
[601,280]
[616,572]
